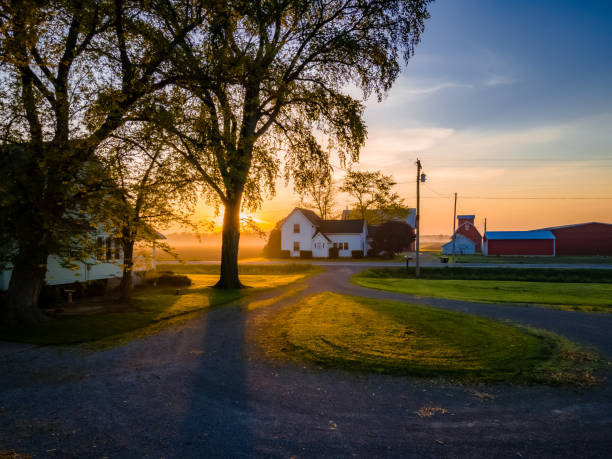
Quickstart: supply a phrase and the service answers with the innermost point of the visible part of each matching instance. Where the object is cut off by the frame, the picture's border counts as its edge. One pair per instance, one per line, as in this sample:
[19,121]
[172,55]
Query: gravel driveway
[204,389]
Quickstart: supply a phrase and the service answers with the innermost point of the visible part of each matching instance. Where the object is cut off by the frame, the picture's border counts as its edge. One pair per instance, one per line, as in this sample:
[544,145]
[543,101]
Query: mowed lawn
[151,309]
[588,297]
[346,332]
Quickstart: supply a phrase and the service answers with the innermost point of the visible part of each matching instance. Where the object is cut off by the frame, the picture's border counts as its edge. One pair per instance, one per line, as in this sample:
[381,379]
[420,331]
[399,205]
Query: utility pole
[419,178]
[454,223]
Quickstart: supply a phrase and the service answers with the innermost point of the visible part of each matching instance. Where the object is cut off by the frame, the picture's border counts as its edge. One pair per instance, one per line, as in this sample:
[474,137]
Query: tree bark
[229,249]
[127,281]
[27,280]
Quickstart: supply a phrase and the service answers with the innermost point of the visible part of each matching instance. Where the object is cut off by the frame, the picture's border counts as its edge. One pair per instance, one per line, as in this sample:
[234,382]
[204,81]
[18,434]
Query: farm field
[347,332]
[577,296]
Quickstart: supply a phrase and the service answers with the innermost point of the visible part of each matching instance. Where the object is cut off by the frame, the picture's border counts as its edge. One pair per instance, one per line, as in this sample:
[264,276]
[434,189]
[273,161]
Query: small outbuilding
[467,238]
[538,242]
[463,246]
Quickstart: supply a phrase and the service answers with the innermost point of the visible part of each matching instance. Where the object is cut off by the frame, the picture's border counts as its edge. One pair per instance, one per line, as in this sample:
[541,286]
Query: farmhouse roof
[322,234]
[310,215]
[513,235]
[341,226]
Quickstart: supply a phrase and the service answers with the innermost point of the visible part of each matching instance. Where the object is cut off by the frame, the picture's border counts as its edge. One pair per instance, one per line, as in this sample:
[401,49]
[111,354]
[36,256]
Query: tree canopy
[269,81]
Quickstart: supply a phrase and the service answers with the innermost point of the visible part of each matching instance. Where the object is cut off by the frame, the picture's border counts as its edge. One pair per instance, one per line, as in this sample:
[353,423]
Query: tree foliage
[316,190]
[150,189]
[393,237]
[71,71]
[375,200]
[268,80]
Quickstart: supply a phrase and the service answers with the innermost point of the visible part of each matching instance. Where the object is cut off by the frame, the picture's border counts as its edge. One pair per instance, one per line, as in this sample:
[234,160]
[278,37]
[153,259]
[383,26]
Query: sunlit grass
[587,297]
[355,333]
[150,307]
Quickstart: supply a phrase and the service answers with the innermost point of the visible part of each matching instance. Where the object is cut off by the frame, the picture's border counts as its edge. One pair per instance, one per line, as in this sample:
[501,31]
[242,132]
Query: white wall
[304,237]
[355,242]
[463,245]
[58,275]
[323,250]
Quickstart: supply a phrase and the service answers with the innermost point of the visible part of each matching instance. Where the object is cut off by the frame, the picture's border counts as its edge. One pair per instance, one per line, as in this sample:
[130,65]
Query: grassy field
[534,260]
[602,276]
[151,309]
[587,297]
[355,333]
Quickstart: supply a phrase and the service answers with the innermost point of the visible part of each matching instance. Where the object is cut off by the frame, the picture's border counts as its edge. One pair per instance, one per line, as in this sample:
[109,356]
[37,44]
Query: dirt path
[205,390]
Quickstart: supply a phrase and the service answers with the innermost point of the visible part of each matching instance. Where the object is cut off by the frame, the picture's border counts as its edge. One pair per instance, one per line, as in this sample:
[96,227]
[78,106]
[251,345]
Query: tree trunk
[127,280]
[229,248]
[27,280]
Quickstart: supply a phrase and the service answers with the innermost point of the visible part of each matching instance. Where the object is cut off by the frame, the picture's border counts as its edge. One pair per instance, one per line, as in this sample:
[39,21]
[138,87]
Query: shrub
[356,253]
[285,254]
[305,253]
[272,249]
[174,280]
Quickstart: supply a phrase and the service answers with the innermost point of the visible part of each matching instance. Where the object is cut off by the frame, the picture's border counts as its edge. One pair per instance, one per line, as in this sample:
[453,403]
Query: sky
[508,103]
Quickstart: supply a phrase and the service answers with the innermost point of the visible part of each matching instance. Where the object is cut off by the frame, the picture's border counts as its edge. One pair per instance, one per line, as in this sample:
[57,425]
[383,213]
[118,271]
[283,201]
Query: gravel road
[206,389]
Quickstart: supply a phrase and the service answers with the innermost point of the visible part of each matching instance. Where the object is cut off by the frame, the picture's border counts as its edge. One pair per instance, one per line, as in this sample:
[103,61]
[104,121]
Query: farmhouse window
[296,228]
[109,249]
[100,248]
[296,246]
[346,246]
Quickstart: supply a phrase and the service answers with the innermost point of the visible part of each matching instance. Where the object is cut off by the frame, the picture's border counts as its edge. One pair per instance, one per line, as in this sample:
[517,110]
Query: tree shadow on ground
[216,421]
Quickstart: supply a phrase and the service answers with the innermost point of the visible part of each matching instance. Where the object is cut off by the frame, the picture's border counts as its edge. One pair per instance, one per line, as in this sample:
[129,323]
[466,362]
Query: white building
[106,264]
[463,246]
[303,231]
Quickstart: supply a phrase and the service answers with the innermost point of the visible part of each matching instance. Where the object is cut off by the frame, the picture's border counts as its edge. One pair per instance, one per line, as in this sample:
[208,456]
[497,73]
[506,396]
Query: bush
[333,252]
[272,249]
[285,254]
[356,253]
[174,280]
[305,253]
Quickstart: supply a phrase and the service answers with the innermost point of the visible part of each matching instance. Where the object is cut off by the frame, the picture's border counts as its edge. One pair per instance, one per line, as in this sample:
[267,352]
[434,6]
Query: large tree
[148,189]
[375,200]
[71,70]
[269,80]
[316,189]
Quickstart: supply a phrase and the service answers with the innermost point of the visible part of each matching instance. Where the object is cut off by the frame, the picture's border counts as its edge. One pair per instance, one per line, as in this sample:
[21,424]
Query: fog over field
[208,246]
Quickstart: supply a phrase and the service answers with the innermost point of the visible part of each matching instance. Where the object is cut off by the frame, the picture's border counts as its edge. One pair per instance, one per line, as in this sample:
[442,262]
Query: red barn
[592,238]
[466,228]
[539,242]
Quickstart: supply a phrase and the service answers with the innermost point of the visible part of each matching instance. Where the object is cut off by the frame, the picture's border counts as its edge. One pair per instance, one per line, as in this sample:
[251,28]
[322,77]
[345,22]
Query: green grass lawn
[477,258]
[150,309]
[348,332]
[588,297]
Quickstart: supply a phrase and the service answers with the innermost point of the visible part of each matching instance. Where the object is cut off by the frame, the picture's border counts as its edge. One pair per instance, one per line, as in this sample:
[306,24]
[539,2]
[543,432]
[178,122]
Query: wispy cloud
[434,88]
[499,80]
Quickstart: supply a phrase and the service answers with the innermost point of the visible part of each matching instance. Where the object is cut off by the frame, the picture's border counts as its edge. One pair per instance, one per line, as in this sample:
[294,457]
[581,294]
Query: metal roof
[509,235]
[576,224]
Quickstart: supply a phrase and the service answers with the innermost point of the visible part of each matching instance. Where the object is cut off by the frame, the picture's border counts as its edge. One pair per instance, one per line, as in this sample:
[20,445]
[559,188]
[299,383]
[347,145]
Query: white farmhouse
[303,230]
[106,264]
